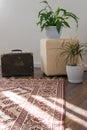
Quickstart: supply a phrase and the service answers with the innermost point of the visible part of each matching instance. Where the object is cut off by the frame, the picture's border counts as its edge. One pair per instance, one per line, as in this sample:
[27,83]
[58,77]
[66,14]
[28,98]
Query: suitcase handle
[17,50]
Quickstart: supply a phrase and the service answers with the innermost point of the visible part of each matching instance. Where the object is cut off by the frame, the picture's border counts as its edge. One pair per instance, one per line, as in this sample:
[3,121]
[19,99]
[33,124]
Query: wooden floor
[76,103]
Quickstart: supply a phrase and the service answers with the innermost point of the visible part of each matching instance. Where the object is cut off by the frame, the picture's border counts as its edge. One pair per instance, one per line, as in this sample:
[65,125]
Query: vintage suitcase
[17,63]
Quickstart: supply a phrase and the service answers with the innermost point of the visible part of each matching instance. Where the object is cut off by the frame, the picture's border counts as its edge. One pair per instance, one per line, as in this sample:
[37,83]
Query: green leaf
[44,2]
[69,14]
[66,24]
[58,26]
[55,18]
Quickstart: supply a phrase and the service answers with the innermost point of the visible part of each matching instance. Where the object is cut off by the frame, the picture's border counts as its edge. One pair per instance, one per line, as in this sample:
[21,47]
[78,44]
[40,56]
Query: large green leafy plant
[58,18]
[72,51]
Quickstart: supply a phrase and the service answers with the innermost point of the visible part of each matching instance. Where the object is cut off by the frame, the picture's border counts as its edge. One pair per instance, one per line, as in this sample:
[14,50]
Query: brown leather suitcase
[17,63]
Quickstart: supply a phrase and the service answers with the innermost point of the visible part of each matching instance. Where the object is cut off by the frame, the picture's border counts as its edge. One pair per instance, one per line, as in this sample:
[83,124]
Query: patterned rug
[32,104]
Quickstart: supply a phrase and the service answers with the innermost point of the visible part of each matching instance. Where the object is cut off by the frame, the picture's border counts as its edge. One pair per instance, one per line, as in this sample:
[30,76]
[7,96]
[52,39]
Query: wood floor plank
[76,106]
[76,103]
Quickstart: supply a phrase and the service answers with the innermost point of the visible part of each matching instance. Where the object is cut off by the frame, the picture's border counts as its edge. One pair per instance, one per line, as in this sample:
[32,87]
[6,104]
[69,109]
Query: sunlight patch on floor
[77,109]
[15,98]
[48,103]
[58,100]
[76,119]
[3,118]
[43,116]
[2,114]
[68,129]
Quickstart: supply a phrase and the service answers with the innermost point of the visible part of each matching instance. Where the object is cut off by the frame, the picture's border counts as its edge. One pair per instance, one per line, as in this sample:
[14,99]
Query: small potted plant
[54,20]
[72,54]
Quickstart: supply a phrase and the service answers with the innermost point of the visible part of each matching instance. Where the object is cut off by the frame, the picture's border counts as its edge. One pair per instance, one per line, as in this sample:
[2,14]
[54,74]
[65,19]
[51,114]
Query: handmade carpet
[32,104]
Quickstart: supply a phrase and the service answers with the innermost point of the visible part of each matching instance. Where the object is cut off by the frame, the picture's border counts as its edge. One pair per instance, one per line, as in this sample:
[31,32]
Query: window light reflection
[44,117]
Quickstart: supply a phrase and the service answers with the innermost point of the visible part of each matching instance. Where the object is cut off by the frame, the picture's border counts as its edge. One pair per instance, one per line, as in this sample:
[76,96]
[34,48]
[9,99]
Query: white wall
[18,27]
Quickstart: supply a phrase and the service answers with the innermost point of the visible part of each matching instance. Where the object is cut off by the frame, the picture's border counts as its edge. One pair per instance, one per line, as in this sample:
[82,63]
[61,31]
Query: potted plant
[72,54]
[54,20]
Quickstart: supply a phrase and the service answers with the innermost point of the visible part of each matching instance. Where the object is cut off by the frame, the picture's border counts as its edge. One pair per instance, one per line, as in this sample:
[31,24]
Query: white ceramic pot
[75,73]
[51,32]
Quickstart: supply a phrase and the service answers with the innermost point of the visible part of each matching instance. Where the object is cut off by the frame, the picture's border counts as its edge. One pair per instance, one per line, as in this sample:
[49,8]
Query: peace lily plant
[58,18]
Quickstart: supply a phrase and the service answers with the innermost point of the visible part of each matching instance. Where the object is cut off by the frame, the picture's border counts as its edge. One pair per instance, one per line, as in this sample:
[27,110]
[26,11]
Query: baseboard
[37,65]
[85,68]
